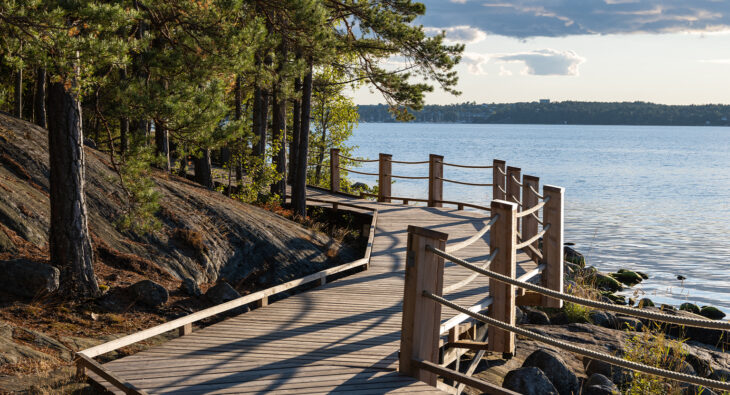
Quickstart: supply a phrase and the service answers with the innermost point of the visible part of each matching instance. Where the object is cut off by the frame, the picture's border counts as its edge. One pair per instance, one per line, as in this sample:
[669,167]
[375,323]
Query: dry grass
[191,238]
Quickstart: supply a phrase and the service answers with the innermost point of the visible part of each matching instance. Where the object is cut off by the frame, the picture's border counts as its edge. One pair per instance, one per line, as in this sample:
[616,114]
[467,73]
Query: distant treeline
[567,112]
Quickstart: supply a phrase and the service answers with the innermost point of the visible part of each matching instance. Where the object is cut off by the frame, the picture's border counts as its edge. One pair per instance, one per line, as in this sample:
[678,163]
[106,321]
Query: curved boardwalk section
[340,337]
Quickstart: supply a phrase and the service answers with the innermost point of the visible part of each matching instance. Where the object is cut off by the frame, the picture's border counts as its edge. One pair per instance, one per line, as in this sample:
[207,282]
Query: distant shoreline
[560,113]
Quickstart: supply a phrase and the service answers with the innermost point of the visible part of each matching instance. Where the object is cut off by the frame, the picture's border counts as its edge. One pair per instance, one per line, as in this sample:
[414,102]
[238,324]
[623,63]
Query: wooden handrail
[84,357]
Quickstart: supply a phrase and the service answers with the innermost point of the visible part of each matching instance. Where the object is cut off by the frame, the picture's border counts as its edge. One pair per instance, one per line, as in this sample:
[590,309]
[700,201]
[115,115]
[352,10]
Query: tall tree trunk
[239,115]
[203,169]
[40,98]
[70,244]
[299,199]
[183,170]
[162,144]
[295,129]
[323,147]
[18,110]
[258,122]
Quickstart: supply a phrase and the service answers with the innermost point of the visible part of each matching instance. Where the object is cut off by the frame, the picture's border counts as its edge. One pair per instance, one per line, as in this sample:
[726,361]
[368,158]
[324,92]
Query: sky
[662,51]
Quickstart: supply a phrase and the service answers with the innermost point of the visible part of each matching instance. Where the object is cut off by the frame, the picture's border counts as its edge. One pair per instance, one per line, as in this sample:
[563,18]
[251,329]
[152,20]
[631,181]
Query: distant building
[544,101]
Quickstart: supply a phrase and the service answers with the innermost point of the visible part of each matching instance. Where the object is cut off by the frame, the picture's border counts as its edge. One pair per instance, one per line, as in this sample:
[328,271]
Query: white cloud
[475,62]
[503,71]
[544,61]
[461,34]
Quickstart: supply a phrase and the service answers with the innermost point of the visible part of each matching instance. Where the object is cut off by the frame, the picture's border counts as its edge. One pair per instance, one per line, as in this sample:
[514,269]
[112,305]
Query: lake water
[648,198]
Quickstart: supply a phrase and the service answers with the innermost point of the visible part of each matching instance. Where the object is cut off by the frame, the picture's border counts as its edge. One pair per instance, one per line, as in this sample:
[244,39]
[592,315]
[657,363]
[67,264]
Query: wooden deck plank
[340,337]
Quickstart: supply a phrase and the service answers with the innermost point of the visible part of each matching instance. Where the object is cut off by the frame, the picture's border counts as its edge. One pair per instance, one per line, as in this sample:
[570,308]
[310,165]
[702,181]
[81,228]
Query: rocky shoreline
[537,368]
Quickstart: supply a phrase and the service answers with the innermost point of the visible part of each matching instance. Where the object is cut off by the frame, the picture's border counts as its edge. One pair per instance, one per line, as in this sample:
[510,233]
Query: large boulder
[712,313]
[221,293]
[28,278]
[599,384]
[605,282]
[529,381]
[149,293]
[564,380]
[691,307]
[573,256]
[190,287]
[603,318]
[627,277]
[617,375]
[535,316]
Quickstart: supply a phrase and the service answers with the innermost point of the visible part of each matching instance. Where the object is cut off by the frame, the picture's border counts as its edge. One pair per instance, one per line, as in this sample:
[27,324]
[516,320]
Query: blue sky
[671,51]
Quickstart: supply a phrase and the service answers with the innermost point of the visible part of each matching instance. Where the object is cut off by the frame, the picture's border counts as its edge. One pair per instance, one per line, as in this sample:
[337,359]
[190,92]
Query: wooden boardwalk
[340,337]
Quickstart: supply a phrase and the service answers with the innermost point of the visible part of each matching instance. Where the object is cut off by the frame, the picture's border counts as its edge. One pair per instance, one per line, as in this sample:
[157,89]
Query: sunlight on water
[654,199]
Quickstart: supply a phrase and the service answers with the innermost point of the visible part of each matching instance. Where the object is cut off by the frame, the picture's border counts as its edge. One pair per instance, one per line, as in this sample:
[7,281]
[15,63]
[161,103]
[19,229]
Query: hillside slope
[205,235]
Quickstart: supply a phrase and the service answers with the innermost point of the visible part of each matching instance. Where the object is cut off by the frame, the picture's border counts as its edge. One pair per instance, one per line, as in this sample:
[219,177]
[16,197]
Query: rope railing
[531,210]
[539,221]
[408,177]
[516,180]
[464,183]
[515,200]
[466,167]
[473,276]
[403,162]
[533,238]
[695,322]
[357,159]
[475,237]
[501,189]
[582,351]
[539,196]
[502,171]
[358,172]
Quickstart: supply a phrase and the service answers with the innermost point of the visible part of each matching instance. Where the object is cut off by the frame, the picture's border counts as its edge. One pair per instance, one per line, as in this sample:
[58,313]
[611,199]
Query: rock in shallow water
[712,313]
[529,381]
[564,380]
[691,307]
[27,278]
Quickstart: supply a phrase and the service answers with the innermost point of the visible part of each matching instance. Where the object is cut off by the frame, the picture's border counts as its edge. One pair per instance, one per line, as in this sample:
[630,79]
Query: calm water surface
[648,198]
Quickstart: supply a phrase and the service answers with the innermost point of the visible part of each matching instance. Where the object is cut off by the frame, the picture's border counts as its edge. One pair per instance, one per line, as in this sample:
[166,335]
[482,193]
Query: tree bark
[299,199]
[123,123]
[162,144]
[295,129]
[40,98]
[203,169]
[258,122]
[70,243]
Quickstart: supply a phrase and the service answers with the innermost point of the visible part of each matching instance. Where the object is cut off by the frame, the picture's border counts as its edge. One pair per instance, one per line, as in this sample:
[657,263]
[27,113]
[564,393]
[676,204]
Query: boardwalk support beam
[435,180]
[421,316]
[499,169]
[530,200]
[503,237]
[385,170]
[552,244]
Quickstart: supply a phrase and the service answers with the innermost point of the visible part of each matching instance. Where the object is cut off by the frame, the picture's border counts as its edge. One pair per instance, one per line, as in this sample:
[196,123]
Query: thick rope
[464,183]
[474,238]
[536,192]
[582,351]
[537,219]
[358,160]
[467,167]
[501,189]
[501,171]
[359,172]
[409,178]
[515,200]
[516,180]
[460,284]
[695,322]
[530,210]
[533,238]
[409,163]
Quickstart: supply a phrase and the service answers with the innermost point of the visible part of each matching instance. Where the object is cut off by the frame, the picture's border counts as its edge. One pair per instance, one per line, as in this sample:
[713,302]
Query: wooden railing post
[421,316]
[499,168]
[529,200]
[384,171]
[435,180]
[503,236]
[513,187]
[335,169]
[552,243]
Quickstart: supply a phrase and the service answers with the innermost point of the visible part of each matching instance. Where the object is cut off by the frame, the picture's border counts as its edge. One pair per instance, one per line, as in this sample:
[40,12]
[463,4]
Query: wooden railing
[500,185]
[422,332]
[84,358]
